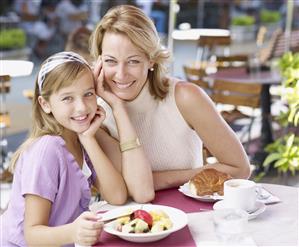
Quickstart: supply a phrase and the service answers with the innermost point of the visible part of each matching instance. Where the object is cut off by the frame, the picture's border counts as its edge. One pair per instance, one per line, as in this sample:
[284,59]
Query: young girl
[55,167]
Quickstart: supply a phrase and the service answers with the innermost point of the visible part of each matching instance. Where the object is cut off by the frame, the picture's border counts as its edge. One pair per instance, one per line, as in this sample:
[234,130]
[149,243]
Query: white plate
[208,198]
[260,208]
[178,218]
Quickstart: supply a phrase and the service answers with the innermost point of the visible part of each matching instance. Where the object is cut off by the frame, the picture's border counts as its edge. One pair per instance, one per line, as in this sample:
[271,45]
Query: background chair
[267,53]
[239,61]
[28,93]
[5,123]
[232,61]
[209,44]
[237,94]
[195,75]
[282,42]
[5,85]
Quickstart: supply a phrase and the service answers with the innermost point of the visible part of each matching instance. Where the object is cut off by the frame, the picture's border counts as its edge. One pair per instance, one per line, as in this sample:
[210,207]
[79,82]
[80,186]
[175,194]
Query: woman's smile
[123,85]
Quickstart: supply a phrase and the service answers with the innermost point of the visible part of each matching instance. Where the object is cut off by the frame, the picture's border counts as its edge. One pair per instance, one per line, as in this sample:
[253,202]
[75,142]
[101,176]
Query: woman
[172,118]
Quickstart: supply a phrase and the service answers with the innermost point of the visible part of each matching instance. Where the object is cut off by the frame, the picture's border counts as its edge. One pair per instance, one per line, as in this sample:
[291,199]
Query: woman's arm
[172,178]
[109,181]
[200,113]
[85,230]
[134,165]
[136,168]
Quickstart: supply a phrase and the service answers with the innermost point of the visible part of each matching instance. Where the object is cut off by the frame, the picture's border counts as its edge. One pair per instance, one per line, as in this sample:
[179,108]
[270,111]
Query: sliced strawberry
[143,215]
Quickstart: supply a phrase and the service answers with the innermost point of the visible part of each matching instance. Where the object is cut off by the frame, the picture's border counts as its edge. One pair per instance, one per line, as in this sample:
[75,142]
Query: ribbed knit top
[167,139]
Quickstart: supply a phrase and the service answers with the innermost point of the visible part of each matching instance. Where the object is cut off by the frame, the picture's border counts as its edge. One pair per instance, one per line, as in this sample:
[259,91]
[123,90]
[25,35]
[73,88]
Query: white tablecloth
[277,226]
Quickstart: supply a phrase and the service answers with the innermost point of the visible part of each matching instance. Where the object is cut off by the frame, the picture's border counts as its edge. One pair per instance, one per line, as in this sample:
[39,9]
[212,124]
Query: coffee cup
[240,194]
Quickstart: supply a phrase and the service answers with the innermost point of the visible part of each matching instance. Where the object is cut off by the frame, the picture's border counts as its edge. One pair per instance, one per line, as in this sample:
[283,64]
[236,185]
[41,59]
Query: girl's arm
[109,181]
[134,165]
[85,230]
[217,136]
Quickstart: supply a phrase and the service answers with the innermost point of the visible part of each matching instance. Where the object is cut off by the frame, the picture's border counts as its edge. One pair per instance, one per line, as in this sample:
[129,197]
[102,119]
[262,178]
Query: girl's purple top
[49,170]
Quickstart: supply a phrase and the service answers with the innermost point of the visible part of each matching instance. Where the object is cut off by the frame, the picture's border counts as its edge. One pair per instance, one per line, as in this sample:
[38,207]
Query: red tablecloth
[172,198]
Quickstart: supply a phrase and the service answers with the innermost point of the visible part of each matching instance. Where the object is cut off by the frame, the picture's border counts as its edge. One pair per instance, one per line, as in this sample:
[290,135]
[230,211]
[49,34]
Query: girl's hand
[87,229]
[101,91]
[94,124]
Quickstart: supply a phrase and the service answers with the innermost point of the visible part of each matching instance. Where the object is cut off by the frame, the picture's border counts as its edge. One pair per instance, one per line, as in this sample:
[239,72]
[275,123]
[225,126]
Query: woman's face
[74,106]
[125,66]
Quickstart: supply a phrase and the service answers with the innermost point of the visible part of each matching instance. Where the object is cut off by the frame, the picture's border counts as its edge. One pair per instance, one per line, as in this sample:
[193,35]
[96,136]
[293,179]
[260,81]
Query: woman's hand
[94,124]
[86,229]
[101,89]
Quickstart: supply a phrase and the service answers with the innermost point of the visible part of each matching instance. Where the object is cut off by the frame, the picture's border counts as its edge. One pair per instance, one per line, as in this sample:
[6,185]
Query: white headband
[56,60]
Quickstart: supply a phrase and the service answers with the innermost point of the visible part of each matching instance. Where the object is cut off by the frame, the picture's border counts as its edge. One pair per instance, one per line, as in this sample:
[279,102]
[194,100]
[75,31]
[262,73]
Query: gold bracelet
[132,144]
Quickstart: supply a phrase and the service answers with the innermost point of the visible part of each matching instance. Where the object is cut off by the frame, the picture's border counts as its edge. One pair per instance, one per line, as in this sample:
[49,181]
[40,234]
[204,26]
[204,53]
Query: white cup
[240,194]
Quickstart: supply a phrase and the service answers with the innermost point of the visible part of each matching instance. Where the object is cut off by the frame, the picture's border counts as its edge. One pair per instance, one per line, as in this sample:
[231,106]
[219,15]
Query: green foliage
[284,152]
[12,38]
[270,16]
[282,118]
[259,177]
[289,65]
[243,20]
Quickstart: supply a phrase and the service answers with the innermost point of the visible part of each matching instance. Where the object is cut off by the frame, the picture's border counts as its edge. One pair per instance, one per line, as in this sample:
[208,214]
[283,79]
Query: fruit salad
[141,221]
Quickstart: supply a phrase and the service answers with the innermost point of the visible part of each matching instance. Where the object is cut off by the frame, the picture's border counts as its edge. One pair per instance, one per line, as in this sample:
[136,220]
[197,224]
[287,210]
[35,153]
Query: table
[278,225]
[195,33]
[265,78]
[186,46]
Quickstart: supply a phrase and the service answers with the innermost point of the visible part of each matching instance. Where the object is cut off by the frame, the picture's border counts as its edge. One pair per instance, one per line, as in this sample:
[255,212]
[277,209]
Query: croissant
[207,182]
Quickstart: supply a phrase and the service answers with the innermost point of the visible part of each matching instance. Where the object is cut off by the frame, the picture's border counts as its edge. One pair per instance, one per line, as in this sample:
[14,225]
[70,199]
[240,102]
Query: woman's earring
[151,69]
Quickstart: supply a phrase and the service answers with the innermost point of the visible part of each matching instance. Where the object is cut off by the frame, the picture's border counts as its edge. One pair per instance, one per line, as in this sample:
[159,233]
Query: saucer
[260,208]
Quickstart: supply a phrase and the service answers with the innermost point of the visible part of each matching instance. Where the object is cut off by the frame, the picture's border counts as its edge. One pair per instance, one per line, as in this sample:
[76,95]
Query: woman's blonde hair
[133,23]
[42,123]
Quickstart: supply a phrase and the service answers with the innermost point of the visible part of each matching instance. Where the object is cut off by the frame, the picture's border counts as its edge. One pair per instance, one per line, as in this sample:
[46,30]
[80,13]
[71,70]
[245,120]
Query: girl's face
[125,66]
[74,106]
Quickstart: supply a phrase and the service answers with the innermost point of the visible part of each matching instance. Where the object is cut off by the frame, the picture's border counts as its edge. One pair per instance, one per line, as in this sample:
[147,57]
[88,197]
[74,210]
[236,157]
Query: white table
[185,46]
[277,226]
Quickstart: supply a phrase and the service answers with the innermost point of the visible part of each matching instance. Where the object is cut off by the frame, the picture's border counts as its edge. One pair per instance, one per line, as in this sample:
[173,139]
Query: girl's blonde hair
[42,123]
[133,23]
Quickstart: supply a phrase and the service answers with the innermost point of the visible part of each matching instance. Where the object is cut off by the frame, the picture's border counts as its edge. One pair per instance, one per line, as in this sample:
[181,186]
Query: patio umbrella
[171,25]
[289,21]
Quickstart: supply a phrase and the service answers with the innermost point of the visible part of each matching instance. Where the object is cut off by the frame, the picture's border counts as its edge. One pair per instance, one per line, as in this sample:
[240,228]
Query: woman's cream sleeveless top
[168,141]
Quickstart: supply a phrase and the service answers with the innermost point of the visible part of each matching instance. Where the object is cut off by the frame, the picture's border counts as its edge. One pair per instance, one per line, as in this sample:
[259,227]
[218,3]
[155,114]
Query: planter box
[243,33]
[15,54]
